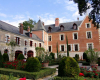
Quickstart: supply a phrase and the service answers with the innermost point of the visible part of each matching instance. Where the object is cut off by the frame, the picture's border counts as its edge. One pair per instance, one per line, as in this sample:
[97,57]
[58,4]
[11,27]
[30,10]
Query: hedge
[64,78]
[29,75]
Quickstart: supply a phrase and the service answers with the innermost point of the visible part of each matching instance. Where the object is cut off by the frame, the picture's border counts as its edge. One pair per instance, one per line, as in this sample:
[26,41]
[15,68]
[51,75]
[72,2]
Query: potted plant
[46,57]
[93,56]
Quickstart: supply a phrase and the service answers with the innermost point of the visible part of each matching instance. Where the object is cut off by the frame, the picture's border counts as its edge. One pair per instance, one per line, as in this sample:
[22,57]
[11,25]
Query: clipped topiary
[1,60]
[84,55]
[68,67]
[52,55]
[5,57]
[20,57]
[33,65]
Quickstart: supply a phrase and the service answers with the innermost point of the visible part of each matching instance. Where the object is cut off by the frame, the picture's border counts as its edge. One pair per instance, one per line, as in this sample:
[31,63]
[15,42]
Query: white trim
[86,35]
[73,35]
[48,37]
[88,23]
[60,46]
[51,47]
[90,43]
[74,46]
[63,36]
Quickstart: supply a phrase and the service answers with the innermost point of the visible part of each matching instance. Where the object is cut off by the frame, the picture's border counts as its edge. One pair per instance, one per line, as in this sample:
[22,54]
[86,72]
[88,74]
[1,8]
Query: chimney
[43,23]
[28,29]
[21,28]
[56,22]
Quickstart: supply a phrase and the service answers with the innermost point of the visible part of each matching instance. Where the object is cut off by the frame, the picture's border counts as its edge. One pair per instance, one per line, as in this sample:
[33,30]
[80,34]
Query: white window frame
[86,25]
[87,36]
[61,45]
[73,35]
[51,48]
[74,46]
[60,37]
[48,37]
[90,43]
[71,46]
[6,38]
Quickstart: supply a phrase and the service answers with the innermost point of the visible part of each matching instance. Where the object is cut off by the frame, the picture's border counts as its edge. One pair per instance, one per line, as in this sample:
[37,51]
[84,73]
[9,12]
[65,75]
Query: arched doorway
[17,53]
[6,51]
[30,54]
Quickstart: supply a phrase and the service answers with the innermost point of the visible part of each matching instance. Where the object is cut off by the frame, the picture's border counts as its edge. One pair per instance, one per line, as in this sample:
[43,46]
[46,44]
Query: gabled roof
[38,26]
[7,27]
[67,26]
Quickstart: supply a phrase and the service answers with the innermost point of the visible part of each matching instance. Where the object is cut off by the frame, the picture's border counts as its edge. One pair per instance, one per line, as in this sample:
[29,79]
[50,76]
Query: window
[7,39]
[35,44]
[89,35]
[74,26]
[61,37]
[49,29]
[75,35]
[90,46]
[61,27]
[49,47]
[87,25]
[62,48]
[49,38]
[17,40]
[39,44]
[25,42]
[69,46]
[31,43]
[76,47]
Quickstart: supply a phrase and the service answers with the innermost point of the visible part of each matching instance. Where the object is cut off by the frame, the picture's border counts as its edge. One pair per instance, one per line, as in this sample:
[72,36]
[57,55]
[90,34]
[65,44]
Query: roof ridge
[63,22]
[8,24]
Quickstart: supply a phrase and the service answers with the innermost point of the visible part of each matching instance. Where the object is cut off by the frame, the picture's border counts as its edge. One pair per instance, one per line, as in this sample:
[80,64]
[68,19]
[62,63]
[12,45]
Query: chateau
[82,35]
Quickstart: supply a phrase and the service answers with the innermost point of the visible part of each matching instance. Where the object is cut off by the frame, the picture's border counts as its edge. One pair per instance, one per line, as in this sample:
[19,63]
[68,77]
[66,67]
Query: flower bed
[17,64]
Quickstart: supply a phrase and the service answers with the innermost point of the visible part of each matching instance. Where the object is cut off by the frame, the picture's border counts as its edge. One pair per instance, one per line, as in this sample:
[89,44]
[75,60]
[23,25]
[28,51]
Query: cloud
[3,15]
[19,17]
[48,18]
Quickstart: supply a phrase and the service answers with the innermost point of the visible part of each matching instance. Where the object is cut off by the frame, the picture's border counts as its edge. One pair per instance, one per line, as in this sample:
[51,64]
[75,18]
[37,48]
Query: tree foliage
[83,5]
[29,23]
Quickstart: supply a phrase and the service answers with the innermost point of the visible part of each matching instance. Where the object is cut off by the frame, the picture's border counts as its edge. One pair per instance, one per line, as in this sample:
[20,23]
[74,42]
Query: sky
[17,11]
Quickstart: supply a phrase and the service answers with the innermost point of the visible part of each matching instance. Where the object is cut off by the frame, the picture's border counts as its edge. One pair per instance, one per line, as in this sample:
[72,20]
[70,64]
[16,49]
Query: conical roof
[38,26]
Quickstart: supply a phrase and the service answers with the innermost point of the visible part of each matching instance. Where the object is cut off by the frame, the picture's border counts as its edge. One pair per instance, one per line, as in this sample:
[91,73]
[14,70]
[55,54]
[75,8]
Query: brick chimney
[28,29]
[56,22]
[21,28]
[43,23]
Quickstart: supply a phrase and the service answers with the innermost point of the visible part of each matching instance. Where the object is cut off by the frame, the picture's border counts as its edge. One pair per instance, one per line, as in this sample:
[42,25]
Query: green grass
[7,77]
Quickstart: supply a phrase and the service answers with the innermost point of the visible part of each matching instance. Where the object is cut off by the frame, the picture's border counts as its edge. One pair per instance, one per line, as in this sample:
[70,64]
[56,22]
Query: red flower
[96,74]
[84,79]
[22,79]
[81,74]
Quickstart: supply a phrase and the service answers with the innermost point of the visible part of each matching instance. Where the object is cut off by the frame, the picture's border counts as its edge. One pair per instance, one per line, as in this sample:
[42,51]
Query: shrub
[52,55]
[1,60]
[77,56]
[84,55]
[5,57]
[33,65]
[68,67]
[20,57]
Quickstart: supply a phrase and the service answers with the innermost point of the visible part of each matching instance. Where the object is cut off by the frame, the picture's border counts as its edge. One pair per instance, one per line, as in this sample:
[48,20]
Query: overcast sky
[17,11]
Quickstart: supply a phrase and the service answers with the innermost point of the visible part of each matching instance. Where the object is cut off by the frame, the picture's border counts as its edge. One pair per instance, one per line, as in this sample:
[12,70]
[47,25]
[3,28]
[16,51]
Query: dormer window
[74,26]
[30,34]
[61,27]
[49,29]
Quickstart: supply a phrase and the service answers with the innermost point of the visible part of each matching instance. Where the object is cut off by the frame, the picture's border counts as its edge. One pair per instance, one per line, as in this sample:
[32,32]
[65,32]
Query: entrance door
[17,53]
[30,54]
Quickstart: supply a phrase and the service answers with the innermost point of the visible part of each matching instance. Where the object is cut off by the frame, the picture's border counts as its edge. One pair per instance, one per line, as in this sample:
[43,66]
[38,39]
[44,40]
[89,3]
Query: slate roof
[68,26]
[13,29]
[38,26]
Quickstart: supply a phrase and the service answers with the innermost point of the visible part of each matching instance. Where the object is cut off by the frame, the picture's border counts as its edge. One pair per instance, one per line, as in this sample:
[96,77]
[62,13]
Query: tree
[94,15]
[29,23]
[12,44]
[57,49]
[67,46]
